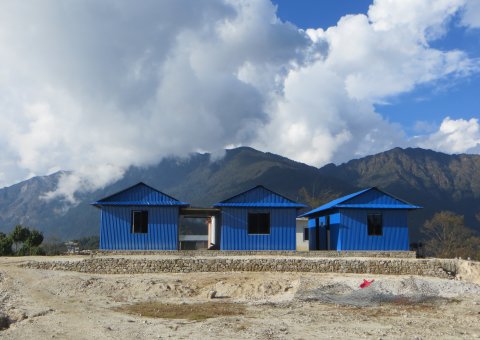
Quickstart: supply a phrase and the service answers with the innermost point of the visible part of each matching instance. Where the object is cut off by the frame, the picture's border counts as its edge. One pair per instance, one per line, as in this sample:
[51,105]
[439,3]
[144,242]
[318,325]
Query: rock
[4,321]
[211,294]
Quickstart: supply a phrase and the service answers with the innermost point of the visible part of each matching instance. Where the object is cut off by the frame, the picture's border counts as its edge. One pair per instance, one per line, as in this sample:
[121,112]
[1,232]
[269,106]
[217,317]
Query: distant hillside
[434,180]
[196,180]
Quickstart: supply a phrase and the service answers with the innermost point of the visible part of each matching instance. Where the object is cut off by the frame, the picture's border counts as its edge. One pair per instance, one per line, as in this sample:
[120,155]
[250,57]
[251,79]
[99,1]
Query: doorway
[198,228]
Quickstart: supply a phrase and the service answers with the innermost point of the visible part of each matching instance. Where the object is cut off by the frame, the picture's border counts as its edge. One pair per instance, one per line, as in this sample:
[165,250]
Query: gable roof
[140,194]
[371,198]
[259,197]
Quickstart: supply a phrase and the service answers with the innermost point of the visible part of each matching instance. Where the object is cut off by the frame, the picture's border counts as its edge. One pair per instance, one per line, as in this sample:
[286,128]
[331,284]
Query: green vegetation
[5,245]
[22,241]
[448,237]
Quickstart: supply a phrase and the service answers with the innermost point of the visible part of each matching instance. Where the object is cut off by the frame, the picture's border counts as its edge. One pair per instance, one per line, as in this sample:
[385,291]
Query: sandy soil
[67,305]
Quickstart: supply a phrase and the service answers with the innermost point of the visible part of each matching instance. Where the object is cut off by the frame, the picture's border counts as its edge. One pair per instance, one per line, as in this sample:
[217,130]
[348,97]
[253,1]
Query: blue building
[139,218]
[366,220]
[258,219]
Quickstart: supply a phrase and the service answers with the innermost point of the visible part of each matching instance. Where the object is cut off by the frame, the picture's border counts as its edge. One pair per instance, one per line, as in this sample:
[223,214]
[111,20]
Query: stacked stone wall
[311,253]
[442,268]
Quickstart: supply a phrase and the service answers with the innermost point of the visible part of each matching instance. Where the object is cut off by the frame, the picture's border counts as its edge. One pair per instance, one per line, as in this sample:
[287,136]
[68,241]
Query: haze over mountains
[431,179]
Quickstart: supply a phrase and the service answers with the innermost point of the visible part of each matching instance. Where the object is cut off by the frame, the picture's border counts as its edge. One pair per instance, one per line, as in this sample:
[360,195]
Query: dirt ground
[43,304]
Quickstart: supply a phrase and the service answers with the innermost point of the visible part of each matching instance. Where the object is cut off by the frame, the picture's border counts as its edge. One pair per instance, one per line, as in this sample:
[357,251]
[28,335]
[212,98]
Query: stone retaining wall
[312,253]
[125,265]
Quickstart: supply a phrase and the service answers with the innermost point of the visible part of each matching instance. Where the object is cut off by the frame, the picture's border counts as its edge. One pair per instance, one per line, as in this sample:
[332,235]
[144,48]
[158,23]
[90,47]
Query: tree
[35,238]
[31,246]
[19,235]
[447,236]
[26,241]
[5,245]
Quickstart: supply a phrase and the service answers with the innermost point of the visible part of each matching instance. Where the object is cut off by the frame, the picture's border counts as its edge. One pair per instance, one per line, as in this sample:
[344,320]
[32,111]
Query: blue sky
[97,87]
[429,103]
[314,13]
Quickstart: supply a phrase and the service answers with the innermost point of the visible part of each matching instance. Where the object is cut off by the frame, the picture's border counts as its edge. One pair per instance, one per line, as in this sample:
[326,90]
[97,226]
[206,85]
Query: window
[139,221]
[259,223]
[375,224]
[305,234]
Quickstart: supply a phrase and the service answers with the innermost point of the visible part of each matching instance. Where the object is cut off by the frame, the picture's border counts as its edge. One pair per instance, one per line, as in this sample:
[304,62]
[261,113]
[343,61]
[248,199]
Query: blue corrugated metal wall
[141,193]
[234,234]
[374,197]
[354,236]
[312,234]
[258,196]
[115,230]
[334,231]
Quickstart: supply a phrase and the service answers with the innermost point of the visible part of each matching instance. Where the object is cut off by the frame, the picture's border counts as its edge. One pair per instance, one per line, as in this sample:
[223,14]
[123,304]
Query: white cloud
[327,112]
[422,20]
[471,14]
[317,122]
[97,87]
[454,136]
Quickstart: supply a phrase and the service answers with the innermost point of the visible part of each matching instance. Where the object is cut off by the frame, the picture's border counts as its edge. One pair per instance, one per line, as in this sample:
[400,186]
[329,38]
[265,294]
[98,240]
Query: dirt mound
[410,290]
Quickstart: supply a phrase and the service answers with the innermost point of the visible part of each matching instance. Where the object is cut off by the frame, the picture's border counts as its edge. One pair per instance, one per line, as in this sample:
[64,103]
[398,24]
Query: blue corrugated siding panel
[334,230]
[368,198]
[374,197]
[140,194]
[115,229]
[312,238]
[354,236]
[259,197]
[235,235]
[332,204]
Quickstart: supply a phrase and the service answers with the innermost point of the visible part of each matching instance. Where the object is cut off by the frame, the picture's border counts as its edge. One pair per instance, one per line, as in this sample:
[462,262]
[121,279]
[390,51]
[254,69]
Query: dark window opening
[305,234]
[139,221]
[259,223]
[375,224]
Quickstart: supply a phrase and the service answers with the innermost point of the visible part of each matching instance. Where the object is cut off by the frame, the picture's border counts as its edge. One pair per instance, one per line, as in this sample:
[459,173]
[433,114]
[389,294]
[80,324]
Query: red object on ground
[366,283]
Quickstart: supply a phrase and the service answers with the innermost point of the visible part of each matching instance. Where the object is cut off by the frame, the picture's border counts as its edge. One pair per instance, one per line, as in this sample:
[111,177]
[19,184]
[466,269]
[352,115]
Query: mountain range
[433,180]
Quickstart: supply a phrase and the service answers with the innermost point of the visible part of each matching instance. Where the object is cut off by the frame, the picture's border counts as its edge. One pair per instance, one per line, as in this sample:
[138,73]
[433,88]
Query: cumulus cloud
[454,136]
[97,87]
[327,112]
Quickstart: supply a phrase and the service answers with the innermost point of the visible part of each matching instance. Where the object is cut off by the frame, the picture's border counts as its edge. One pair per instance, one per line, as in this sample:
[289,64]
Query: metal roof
[259,197]
[140,194]
[374,198]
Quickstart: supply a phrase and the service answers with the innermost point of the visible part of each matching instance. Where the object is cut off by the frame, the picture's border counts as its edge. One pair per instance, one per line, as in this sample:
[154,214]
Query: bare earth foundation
[56,304]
